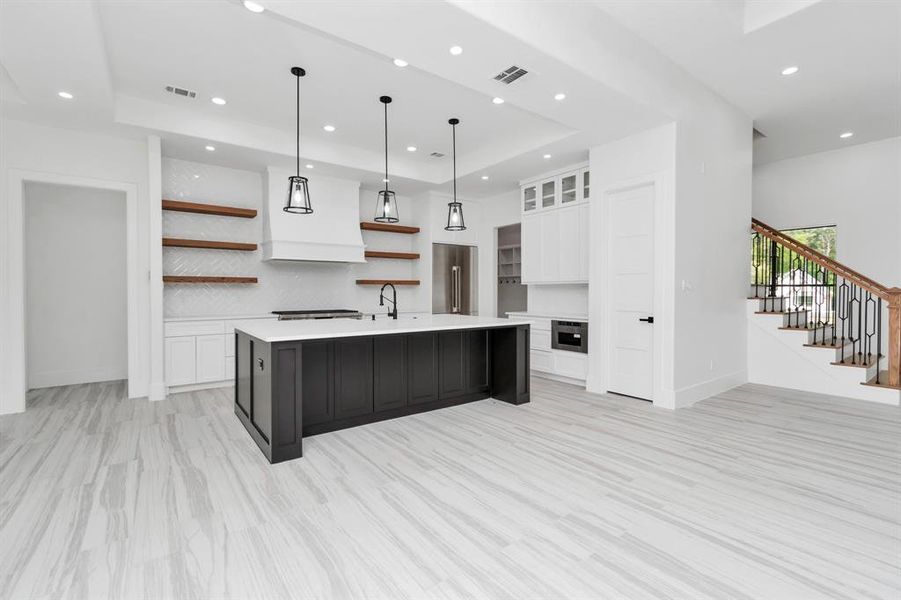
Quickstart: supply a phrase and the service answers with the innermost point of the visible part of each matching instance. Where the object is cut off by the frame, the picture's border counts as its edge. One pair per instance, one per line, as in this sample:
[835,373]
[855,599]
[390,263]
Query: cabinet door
[569,189]
[529,197]
[210,358]
[549,193]
[353,377]
[531,248]
[550,247]
[317,382]
[477,360]
[180,361]
[451,363]
[390,372]
[422,368]
[569,249]
[584,241]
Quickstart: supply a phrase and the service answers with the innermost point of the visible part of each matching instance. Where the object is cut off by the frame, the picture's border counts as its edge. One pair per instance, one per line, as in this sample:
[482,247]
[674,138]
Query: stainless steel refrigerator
[455,279]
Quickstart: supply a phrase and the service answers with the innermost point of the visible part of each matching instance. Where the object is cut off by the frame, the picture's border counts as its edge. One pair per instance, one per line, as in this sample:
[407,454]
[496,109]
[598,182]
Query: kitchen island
[300,378]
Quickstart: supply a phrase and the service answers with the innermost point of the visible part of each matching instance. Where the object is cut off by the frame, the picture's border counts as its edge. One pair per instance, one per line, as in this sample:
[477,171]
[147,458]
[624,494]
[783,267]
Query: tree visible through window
[821,239]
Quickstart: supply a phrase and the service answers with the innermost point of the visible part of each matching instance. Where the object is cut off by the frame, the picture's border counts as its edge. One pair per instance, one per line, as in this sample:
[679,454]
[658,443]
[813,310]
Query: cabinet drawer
[540,324]
[182,328]
[570,364]
[541,340]
[541,360]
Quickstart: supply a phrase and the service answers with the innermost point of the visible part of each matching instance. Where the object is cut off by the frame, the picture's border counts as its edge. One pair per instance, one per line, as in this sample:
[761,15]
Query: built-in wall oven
[569,335]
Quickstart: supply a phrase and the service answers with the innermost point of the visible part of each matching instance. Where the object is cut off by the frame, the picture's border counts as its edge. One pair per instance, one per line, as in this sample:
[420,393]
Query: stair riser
[772,304]
[795,319]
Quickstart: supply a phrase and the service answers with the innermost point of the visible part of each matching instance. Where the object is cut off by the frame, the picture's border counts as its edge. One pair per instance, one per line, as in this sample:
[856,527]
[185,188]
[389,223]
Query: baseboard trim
[194,387]
[75,377]
[701,391]
[560,378]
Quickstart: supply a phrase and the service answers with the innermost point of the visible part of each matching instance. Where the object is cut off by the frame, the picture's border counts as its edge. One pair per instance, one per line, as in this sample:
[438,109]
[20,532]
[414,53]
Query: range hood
[330,234]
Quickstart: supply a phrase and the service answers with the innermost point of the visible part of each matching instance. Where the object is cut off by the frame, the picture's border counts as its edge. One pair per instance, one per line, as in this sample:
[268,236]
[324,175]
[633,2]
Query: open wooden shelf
[367,226]
[384,281]
[385,254]
[209,209]
[206,279]
[208,244]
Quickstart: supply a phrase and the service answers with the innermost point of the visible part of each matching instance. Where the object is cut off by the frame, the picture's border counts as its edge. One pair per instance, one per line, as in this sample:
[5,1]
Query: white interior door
[632,292]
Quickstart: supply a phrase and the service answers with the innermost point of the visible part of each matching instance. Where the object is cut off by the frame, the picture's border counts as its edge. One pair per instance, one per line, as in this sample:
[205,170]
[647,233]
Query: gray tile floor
[757,493]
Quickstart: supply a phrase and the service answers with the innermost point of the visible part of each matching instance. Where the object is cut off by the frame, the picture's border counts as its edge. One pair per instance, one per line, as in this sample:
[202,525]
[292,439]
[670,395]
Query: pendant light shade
[455,209]
[386,205]
[298,200]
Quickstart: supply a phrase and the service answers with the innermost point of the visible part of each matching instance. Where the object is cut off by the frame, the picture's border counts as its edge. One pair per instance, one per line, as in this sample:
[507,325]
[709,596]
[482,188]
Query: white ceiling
[116,56]
[849,56]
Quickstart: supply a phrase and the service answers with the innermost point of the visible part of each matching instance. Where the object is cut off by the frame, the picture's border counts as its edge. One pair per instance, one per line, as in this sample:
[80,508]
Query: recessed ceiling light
[329,128]
[484,177]
[309,166]
[196,176]
[560,96]
[790,70]
[411,148]
[210,148]
[497,100]
[456,50]
[253,6]
[846,135]
[65,95]
[399,62]
[546,156]
[217,100]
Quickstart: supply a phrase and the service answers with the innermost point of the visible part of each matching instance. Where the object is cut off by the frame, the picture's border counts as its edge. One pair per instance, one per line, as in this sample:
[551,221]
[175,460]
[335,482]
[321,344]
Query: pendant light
[455,209]
[386,205]
[298,201]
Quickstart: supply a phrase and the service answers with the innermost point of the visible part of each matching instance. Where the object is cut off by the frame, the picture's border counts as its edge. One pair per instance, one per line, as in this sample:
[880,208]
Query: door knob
[648,320]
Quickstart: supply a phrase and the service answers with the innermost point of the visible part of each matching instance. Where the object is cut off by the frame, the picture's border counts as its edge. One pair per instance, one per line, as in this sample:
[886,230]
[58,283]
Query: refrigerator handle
[455,289]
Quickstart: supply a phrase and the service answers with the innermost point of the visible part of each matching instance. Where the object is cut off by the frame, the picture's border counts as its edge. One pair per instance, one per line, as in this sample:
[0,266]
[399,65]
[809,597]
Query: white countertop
[545,315]
[220,318]
[289,331]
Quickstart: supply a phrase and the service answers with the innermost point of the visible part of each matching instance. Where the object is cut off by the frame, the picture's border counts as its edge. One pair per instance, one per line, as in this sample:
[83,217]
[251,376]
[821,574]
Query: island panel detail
[287,390]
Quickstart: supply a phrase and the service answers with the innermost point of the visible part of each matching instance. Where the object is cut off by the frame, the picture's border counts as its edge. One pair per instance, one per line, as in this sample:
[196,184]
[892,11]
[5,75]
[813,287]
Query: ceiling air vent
[180,91]
[510,74]
[437,154]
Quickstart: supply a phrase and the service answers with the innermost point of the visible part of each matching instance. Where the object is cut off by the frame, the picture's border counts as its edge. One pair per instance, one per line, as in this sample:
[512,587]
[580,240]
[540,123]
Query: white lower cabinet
[546,360]
[210,358]
[201,352]
[180,360]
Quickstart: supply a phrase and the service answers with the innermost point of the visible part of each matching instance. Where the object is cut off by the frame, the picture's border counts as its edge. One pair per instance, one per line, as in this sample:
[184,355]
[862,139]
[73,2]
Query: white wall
[857,189]
[75,264]
[558,300]
[41,152]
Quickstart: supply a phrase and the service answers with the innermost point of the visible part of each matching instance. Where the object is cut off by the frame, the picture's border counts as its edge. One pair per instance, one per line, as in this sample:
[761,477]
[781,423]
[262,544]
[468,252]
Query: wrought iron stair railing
[842,309]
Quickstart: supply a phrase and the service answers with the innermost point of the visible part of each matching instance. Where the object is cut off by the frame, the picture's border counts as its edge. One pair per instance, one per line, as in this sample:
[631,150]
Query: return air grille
[510,74]
[180,91]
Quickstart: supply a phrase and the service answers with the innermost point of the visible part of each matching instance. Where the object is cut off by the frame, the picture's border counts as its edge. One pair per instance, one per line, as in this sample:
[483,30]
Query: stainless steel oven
[569,335]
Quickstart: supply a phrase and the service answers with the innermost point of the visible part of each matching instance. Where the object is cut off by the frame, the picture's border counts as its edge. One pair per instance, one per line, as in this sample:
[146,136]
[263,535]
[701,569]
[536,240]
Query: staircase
[815,324]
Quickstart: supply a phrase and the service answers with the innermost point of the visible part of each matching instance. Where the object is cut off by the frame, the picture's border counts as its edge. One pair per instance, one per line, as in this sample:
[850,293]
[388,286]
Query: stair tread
[781,312]
[835,346]
[803,328]
[883,379]
[861,363]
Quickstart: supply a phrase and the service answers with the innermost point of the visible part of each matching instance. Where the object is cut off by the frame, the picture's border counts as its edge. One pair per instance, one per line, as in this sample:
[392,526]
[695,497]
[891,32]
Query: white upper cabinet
[555,227]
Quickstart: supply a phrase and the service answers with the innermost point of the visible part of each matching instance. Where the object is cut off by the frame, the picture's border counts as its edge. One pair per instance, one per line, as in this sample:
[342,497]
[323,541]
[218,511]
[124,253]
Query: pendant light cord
[454,130]
[298,125]
[386,146]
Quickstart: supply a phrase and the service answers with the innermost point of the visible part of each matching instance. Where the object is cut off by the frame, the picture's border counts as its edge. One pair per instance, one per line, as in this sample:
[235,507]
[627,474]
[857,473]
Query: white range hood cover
[330,234]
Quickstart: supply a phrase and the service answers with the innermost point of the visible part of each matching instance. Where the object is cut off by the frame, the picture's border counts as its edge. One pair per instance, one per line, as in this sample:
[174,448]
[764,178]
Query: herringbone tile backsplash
[282,285]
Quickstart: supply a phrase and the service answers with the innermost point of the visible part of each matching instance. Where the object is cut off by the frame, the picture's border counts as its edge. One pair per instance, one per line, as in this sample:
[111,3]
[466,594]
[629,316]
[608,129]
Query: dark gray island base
[285,390]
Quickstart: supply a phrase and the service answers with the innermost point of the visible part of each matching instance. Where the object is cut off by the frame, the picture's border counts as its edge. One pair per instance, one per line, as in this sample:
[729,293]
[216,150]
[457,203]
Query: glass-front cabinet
[529,197]
[548,193]
[566,187]
[569,193]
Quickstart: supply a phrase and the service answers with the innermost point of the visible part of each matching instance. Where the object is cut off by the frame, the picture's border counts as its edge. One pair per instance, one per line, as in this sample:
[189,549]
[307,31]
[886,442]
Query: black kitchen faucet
[393,300]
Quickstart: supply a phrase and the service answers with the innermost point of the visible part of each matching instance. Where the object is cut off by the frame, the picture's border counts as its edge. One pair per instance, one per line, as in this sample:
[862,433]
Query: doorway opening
[76,284]
[511,293]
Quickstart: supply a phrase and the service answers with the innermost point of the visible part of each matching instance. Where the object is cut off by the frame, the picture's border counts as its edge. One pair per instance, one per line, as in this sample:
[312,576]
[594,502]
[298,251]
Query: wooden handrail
[892,296]
[821,259]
